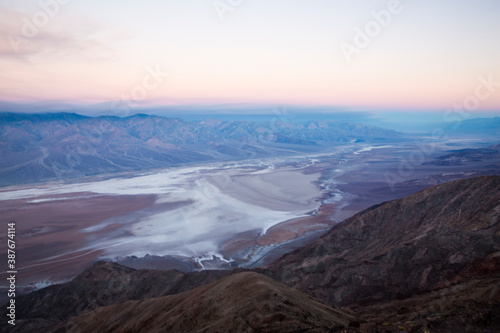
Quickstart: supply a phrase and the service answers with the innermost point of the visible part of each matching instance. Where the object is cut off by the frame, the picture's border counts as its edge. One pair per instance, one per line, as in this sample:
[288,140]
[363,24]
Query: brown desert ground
[48,233]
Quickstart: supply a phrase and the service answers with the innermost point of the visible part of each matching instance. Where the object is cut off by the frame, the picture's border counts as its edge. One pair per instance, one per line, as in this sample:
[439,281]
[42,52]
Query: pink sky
[427,56]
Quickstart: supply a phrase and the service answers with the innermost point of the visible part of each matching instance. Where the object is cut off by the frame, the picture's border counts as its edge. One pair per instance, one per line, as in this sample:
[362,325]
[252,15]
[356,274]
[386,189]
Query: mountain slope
[38,147]
[403,247]
[463,156]
[484,127]
[242,302]
[102,284]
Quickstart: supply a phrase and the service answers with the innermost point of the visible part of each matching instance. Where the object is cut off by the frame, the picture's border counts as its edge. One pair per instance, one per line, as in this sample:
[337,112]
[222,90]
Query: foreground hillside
[428,262]
[104,283]
[418,243]
[242,302]
[40,147]
[445,238]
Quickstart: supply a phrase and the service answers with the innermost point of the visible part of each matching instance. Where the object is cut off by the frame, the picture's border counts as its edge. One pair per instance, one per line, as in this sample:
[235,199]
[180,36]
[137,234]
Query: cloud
[62,37]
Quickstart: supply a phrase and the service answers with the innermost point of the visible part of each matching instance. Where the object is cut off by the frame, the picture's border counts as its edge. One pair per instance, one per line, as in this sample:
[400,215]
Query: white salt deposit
[221,203]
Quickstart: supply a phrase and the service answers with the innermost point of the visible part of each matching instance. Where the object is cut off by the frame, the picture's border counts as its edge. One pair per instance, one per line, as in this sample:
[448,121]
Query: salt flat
[222,203]
[235,211]
[194,211]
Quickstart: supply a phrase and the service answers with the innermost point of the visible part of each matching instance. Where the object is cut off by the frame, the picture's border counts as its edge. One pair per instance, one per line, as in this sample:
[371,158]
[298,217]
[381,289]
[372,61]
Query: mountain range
[429,262]
[55,146]
[463,156]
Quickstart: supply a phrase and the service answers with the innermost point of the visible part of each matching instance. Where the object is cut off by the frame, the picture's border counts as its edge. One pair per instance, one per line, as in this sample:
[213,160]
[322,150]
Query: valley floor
[218,216]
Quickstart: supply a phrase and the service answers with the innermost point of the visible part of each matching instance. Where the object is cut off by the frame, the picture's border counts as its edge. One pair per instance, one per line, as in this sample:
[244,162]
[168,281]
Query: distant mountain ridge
[476,126]
[39,147]
[462,156]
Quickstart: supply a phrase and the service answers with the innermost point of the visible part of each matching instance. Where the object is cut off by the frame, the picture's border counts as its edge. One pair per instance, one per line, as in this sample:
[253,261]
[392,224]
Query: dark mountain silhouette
[54,146]
[427,262]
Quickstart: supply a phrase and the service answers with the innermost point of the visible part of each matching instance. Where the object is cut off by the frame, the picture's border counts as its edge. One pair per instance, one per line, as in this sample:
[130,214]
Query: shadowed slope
[394,250]
[102,284]
[242,302]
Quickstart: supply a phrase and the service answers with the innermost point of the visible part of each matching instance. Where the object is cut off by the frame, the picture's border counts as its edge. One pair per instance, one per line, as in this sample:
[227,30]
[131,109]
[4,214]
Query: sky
[343,54]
